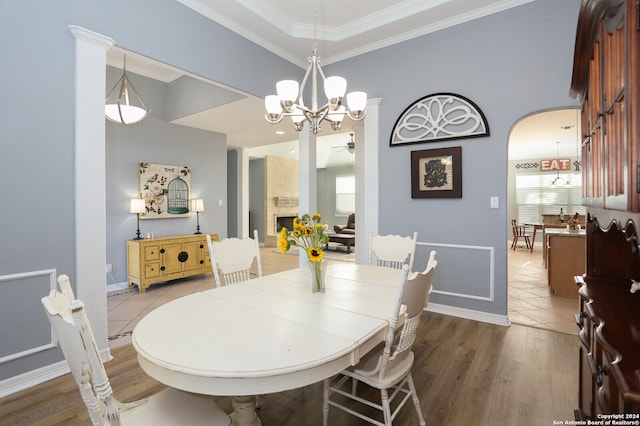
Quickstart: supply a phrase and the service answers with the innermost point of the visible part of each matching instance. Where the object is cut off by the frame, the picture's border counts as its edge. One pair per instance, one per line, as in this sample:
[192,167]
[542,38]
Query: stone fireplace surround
[281,195]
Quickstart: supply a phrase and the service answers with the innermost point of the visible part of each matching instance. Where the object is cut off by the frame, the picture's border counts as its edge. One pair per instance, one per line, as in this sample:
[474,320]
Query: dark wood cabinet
[609,323]
[607,80]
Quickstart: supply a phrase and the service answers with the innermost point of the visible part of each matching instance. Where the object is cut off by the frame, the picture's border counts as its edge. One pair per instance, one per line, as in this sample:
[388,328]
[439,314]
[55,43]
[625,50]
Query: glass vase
[318,270]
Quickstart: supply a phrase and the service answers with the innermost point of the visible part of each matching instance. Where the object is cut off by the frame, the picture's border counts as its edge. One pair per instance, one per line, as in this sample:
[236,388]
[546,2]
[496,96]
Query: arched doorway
[538,188]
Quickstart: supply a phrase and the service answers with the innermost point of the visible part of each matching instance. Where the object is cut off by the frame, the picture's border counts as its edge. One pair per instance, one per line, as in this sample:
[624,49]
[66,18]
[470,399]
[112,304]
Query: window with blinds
[536,196]
[345,194]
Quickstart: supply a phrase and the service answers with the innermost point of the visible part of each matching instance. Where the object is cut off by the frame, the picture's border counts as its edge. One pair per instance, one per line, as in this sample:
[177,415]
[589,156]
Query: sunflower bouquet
[308,234]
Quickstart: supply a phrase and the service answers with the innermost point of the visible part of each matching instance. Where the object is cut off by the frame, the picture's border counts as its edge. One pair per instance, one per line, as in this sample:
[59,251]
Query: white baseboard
[113,288]
[469,314]
[32,378]
[35,377]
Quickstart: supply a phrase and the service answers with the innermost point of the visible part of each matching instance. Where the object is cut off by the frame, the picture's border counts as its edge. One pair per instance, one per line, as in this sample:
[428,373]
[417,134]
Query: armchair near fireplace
[350,228]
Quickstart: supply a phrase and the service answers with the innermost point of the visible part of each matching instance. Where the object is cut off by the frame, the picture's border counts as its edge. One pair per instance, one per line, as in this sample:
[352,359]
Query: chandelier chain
[315,26]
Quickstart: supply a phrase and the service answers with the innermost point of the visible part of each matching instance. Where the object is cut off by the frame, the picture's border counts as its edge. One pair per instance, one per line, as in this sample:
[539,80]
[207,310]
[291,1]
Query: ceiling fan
[350,146]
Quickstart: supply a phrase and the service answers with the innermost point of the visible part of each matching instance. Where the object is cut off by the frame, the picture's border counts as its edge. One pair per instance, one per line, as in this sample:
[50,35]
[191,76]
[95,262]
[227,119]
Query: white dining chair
[392,250]
[233,258]
[387,367]
[71,326]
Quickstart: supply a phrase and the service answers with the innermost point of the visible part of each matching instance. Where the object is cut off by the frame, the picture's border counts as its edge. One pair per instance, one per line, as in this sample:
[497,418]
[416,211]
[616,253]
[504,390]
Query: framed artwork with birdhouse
[165,190]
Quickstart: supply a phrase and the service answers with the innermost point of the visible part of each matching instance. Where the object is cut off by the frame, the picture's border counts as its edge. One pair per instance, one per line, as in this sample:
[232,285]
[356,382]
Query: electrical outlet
[495,203]
[108,268]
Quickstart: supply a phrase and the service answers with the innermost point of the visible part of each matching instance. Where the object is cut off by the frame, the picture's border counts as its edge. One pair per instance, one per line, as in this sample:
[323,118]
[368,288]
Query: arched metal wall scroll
[437,117]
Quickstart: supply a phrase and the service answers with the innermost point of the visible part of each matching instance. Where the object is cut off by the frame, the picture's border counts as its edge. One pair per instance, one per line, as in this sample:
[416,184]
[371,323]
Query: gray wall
[38,142]
[257,200]
[232,194]
[155,141]
[510,64]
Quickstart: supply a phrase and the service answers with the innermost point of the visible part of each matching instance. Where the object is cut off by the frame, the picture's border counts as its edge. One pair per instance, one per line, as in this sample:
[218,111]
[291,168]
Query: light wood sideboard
[163,259]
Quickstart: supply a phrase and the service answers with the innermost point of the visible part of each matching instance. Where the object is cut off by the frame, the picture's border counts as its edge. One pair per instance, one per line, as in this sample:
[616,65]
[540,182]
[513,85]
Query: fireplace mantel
[286,201]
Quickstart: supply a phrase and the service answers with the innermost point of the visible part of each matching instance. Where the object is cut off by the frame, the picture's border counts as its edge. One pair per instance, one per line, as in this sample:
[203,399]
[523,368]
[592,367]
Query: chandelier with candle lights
[289,98]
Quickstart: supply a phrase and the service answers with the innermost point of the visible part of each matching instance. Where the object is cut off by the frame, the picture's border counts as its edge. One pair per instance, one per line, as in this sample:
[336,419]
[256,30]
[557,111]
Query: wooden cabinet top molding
[592,12]
[613,252]
[171,237]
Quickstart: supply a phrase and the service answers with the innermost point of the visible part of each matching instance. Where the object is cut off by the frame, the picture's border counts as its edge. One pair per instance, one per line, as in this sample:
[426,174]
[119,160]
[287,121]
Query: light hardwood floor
[466,373]
[530,301]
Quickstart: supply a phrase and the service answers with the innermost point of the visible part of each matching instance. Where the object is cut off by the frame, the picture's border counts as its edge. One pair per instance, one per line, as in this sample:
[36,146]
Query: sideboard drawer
[152,252]
[152,270]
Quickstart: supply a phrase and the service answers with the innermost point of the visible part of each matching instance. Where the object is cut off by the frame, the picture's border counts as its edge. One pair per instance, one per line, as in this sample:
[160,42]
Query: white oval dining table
[268,334]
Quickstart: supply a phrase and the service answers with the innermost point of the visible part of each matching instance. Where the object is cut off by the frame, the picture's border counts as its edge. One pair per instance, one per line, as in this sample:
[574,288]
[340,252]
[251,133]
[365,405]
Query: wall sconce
[197,205]
[137,207]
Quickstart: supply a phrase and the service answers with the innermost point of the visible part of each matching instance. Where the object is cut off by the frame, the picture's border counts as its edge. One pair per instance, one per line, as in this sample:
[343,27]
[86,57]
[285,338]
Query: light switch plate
[495,203]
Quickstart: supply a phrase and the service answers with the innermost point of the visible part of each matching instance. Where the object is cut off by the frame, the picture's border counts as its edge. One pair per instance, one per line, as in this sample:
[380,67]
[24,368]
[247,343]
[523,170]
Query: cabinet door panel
[615,114]
[169,254]
[585,385]
[194,250]
[592,126]
[565,260]
[633,106]
[607,389]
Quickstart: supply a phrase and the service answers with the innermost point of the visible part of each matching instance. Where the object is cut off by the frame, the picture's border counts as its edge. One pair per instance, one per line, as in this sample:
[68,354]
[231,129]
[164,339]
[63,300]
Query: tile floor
[125,308]
[530,302]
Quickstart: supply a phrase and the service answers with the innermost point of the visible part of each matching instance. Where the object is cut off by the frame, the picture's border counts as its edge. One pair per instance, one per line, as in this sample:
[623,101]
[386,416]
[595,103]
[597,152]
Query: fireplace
[283,221]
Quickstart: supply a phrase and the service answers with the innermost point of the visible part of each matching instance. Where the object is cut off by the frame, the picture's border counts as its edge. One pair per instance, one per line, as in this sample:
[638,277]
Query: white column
[90,176]
[308,177]
[367,182]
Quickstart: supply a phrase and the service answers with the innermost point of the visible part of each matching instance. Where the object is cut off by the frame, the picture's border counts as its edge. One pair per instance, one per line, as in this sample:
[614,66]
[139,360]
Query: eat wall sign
[555,164]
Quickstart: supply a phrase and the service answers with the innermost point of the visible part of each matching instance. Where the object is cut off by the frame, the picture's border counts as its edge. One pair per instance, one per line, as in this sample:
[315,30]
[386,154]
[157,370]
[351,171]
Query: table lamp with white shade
[137,207]
[197,205]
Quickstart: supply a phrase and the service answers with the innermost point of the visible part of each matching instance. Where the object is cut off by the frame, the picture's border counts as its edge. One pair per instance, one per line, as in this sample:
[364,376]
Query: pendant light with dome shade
[125,106]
